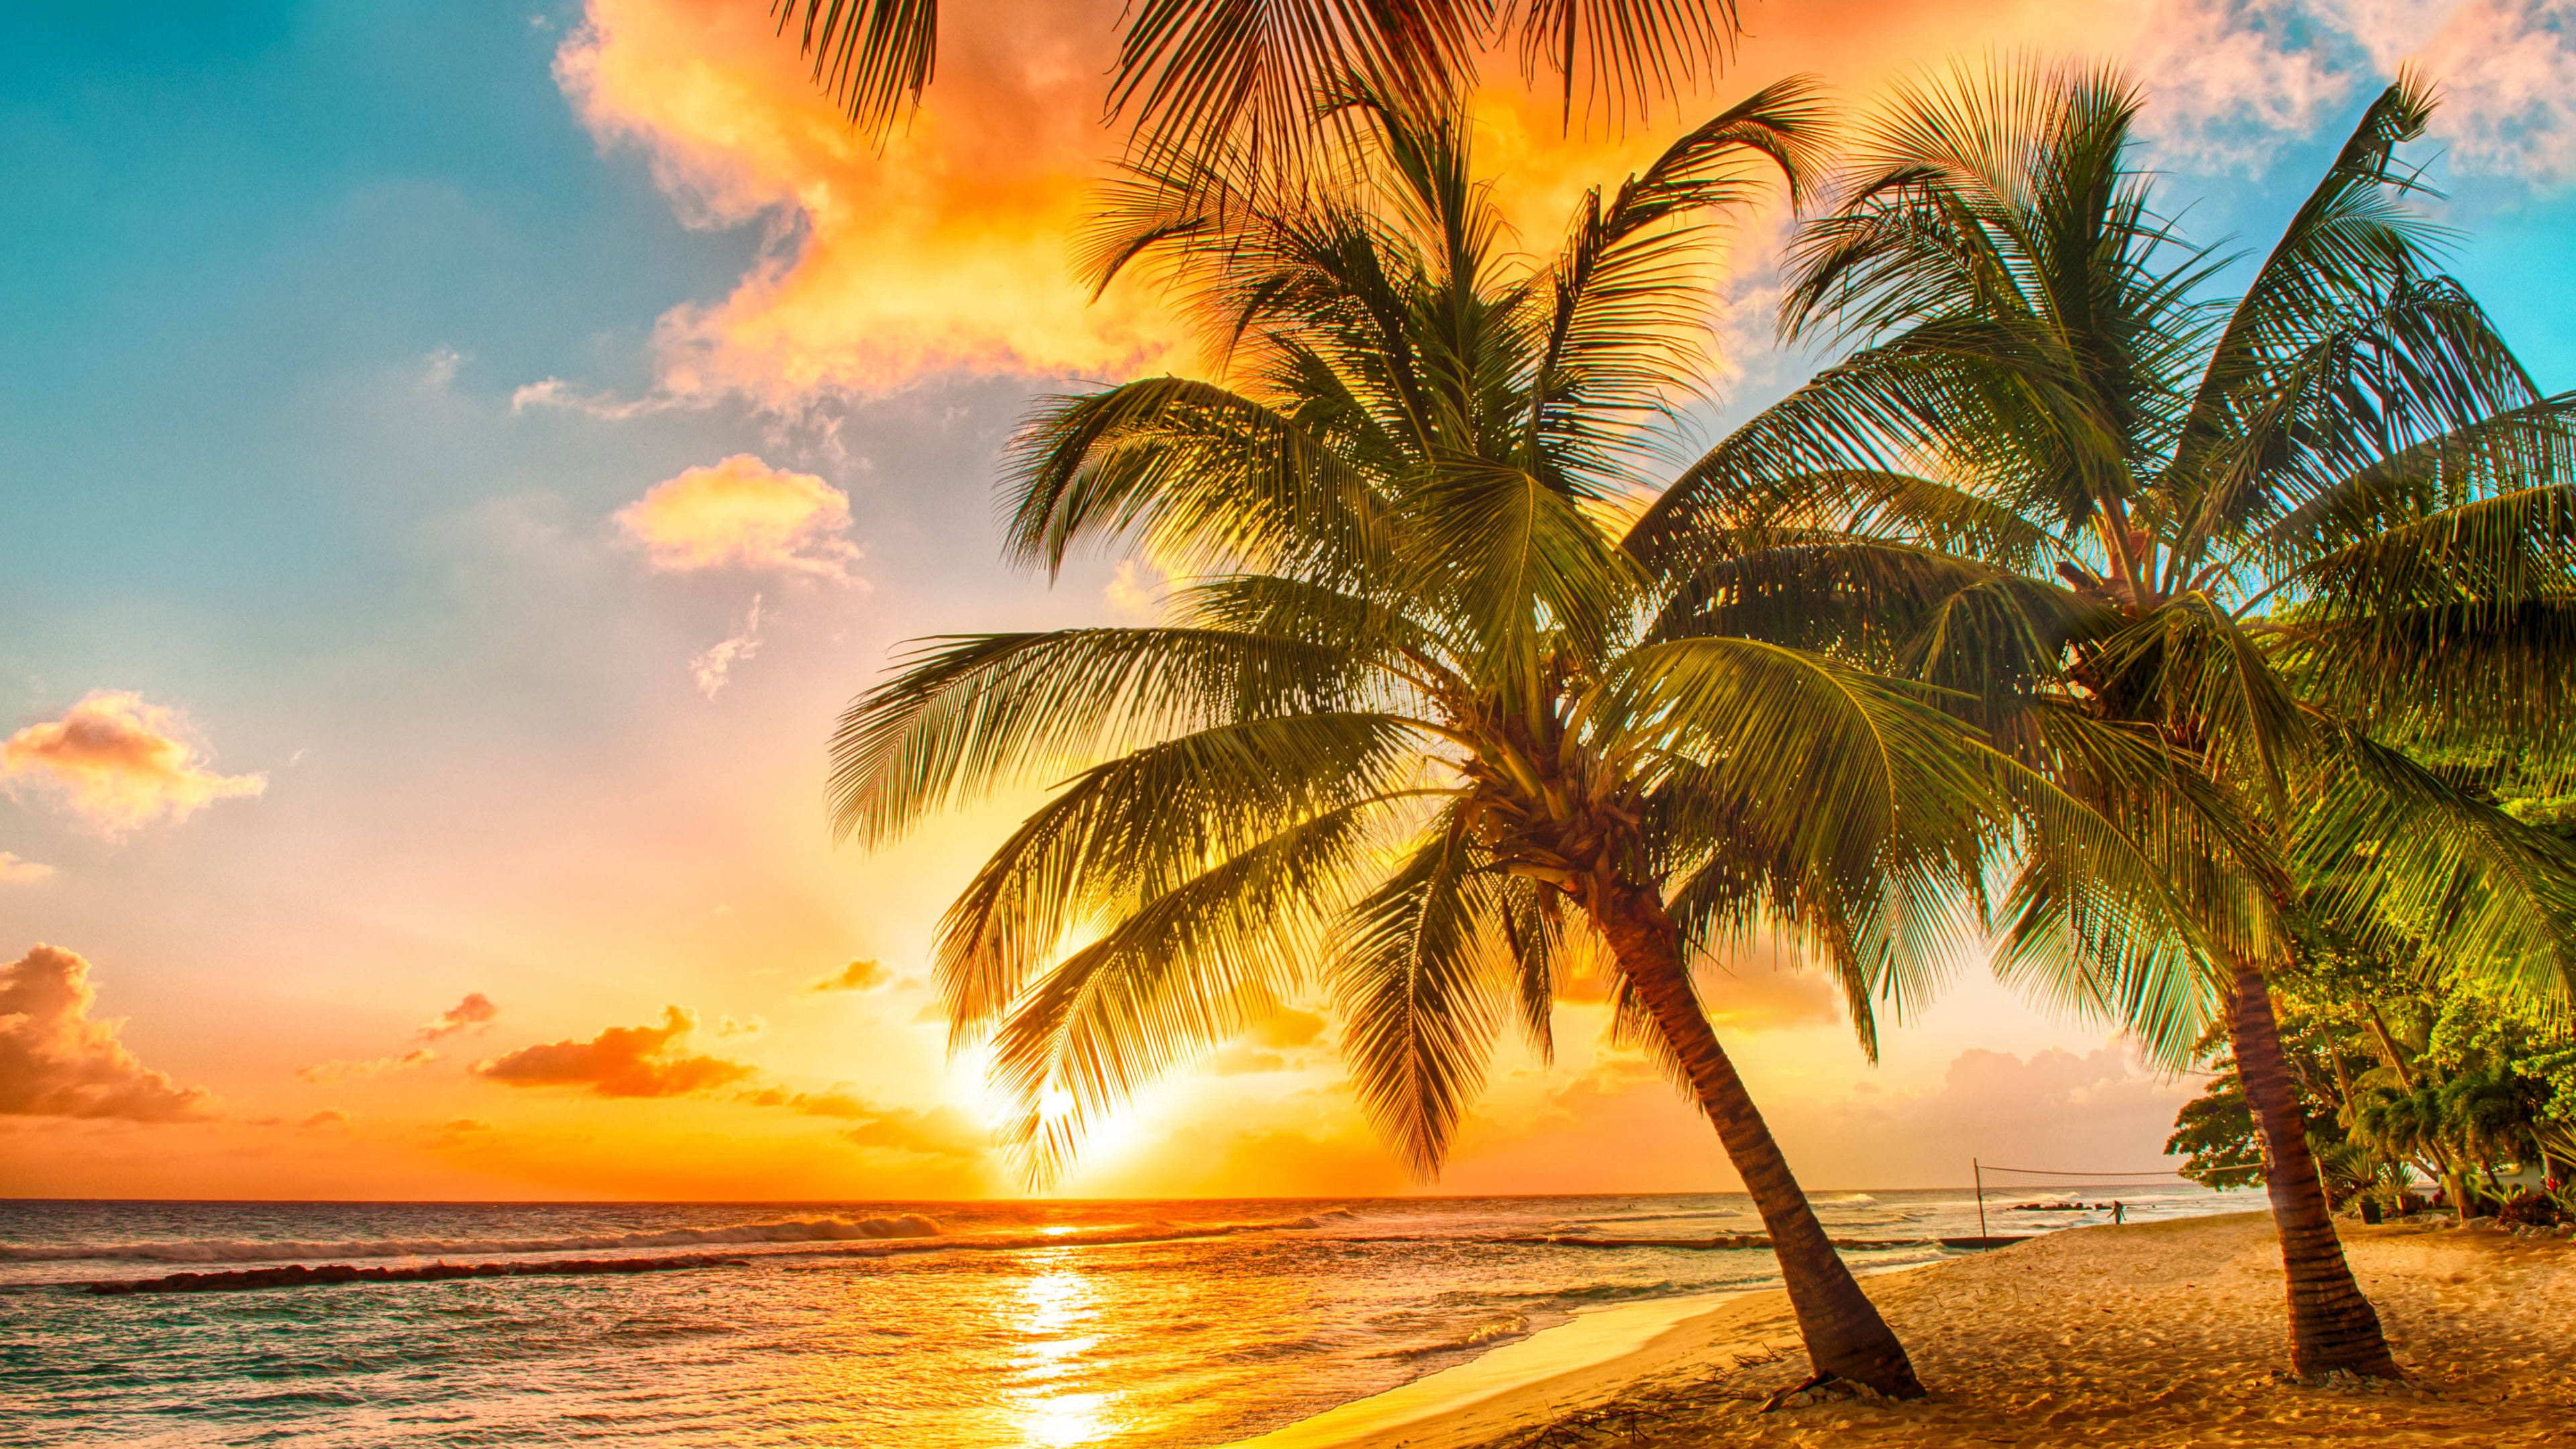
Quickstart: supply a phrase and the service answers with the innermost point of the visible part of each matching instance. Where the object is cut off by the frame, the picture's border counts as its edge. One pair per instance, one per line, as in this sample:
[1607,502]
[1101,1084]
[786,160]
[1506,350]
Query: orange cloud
[119,763]
[857,976]
[55,1061]
[14,871]
[622,1061]
[741,513]
[947,249]
[475,1010]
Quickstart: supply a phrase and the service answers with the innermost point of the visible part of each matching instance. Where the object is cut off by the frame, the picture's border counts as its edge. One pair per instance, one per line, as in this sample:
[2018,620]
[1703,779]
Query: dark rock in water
[297,1275]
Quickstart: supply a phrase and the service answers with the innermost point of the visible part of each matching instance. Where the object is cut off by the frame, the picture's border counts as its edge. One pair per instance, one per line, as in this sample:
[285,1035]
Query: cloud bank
[55,1061]
[120,763]
[622,1061]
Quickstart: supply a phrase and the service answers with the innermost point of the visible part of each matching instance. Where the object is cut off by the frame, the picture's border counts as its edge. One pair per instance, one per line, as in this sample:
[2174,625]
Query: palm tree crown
[1415,720]
[2287,535]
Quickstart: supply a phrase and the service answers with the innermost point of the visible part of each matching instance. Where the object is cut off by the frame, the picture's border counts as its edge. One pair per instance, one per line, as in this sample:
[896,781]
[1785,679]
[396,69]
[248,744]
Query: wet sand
[2164,1334]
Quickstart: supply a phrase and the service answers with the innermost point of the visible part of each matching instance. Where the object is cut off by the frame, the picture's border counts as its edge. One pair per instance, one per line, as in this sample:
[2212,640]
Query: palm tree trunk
[2332,1326]
[1846,1338]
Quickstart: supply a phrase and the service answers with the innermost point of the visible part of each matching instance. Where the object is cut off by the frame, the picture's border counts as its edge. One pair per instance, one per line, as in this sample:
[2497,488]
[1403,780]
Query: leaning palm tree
[1193,71]
[1406,726]
[2289,535]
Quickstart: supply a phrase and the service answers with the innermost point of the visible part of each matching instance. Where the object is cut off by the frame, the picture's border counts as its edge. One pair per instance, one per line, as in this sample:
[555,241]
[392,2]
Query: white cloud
[1135,591]
[438,369]
[712,666]
[2231,79]
[554,392]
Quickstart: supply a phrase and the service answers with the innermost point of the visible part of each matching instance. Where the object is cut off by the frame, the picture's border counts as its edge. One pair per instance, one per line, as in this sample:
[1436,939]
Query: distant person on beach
[2119,1212]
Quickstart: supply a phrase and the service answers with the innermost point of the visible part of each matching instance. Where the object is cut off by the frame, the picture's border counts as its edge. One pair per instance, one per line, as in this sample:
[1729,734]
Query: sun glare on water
[1055,1409]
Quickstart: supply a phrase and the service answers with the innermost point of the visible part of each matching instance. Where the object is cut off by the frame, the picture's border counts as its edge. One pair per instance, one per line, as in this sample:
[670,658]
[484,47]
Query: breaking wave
[1482,1335]
[235,1250]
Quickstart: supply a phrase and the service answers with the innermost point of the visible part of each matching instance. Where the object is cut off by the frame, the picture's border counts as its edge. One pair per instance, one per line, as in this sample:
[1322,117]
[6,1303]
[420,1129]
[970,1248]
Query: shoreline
[1550,1369]
[2167,1333]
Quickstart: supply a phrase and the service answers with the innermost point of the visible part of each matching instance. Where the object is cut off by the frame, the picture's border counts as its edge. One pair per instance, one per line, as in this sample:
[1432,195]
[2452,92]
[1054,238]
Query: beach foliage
[2297,520]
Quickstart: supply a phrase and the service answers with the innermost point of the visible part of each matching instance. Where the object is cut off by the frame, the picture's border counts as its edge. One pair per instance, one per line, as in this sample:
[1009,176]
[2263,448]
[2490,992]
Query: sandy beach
[2166,1334]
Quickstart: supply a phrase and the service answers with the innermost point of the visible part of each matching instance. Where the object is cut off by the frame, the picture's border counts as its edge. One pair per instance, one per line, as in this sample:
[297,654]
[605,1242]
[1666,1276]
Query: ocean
[920,1325]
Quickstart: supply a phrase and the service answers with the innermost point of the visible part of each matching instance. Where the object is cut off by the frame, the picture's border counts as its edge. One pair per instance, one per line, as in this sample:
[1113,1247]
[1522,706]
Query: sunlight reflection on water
[1054,1409]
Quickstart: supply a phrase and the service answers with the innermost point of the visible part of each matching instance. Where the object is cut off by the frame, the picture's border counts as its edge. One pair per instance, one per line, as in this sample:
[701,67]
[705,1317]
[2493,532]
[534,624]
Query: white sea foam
[242,1250]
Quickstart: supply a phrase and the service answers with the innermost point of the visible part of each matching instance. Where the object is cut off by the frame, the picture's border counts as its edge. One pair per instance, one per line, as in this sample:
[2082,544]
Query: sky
[461,457]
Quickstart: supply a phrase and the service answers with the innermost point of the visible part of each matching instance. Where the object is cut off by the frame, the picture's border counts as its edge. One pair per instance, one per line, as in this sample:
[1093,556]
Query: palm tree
[1192,71]
[2286,534]
[1410,723]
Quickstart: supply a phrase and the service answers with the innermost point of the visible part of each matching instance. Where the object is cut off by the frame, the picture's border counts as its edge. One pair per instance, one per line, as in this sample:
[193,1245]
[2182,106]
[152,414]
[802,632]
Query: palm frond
[1420,973]
[872,57]
[1135,828]
[1196,73]
[2352,239]
[971,713]
[2402,858]
[1175,976]
[1629,307]
[1842,774]
[1201,475]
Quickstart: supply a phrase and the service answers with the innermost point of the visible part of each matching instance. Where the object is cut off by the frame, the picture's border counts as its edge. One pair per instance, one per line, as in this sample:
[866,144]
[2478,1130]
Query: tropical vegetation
[2407,1075]
[2300,538]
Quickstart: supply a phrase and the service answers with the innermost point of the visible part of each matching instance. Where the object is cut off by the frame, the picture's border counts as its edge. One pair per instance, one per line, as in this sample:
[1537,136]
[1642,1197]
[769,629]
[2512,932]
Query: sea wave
[1481,1335]
[248,1250]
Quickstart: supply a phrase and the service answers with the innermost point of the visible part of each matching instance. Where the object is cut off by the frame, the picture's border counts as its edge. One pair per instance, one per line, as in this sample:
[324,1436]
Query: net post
[1979,1169]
